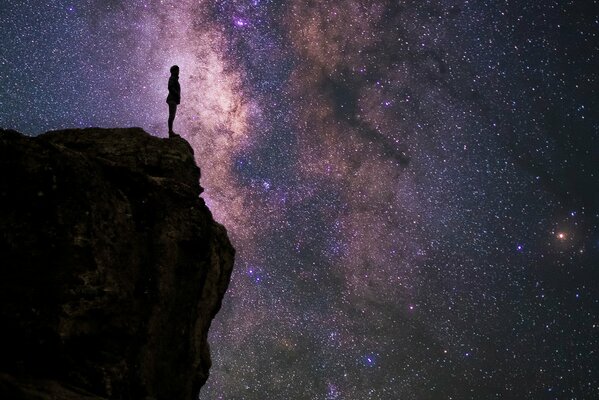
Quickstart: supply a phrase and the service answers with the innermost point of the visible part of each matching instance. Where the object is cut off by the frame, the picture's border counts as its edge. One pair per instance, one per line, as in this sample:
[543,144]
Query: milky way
[412,187]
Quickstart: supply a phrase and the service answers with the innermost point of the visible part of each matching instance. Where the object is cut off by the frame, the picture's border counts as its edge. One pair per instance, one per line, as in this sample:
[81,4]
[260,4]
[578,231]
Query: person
[173,98]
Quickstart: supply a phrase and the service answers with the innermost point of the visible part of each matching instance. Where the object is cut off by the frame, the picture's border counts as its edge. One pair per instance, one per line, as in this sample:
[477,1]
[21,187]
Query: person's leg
[172,110]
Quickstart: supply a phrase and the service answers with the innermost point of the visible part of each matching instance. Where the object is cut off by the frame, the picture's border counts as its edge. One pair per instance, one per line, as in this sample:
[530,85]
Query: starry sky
[412,187]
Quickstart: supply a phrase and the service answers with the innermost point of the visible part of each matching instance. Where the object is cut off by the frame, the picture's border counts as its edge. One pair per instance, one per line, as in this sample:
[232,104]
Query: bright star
[240,22]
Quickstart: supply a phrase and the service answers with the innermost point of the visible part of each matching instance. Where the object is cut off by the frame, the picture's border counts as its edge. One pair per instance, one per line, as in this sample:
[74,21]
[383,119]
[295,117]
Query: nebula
[395,177]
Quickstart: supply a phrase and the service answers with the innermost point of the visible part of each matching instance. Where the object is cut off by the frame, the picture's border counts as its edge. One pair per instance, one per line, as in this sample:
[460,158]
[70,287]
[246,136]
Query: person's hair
[174,68]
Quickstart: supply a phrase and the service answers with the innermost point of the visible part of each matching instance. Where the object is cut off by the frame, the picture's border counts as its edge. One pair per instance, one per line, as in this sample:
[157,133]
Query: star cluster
[412,187]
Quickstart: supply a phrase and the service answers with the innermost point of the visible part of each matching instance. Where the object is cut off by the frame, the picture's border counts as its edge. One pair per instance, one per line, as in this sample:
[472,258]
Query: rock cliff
[111,267]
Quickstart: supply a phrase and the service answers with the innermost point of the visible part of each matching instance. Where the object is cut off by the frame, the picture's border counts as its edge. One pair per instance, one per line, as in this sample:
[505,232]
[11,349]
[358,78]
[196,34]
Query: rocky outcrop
[111,267]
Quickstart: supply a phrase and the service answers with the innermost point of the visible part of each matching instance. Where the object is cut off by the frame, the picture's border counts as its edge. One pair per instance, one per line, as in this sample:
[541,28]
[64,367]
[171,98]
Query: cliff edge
[111,267]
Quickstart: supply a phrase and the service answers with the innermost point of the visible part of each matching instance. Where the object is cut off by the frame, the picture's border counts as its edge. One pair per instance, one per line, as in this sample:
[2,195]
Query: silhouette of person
[173,98]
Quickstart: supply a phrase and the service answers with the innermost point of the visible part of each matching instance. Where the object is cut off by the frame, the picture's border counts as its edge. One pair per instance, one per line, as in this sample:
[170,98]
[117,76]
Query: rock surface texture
[111,267]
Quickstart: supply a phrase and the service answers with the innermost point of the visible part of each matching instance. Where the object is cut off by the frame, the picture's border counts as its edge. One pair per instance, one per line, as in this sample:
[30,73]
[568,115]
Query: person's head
[175,70]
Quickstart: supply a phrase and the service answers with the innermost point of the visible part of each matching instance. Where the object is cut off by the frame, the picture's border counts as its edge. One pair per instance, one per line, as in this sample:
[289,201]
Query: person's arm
[177,88]
[172,86]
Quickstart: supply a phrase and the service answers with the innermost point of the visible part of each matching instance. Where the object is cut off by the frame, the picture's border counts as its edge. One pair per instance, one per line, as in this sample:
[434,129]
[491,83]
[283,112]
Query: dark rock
[111,267]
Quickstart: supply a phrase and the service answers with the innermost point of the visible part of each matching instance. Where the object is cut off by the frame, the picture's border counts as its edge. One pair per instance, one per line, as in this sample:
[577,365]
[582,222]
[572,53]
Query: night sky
[412,187]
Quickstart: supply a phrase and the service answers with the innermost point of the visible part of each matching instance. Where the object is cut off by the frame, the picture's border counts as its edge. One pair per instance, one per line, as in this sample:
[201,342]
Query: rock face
[111,267]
